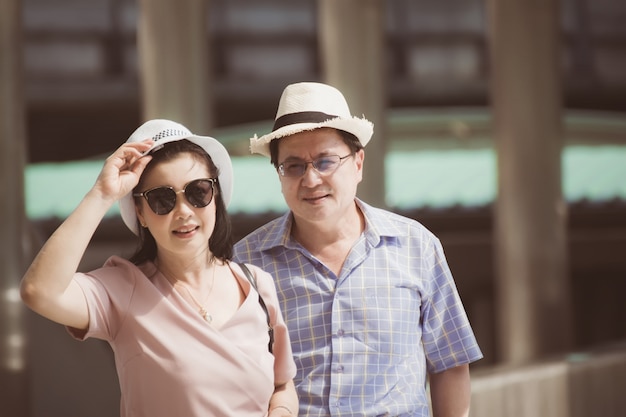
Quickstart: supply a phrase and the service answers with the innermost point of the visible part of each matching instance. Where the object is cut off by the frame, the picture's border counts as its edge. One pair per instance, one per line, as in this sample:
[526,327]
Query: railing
[589,384]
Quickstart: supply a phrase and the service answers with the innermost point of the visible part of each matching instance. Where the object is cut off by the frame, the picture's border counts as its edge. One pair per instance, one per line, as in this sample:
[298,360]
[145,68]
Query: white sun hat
[164,131]
[308,106]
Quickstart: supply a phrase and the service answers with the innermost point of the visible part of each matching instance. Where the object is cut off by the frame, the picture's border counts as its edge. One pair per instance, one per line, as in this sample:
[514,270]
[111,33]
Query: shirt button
[340,368]
[340,332]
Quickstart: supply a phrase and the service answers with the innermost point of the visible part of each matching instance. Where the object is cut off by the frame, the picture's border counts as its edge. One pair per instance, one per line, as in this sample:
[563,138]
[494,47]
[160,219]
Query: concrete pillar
[13,364]
[532,282]
[351,34]
[174,62]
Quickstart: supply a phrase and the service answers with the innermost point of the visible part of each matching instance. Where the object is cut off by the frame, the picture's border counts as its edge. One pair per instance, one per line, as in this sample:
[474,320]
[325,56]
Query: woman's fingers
[122,169]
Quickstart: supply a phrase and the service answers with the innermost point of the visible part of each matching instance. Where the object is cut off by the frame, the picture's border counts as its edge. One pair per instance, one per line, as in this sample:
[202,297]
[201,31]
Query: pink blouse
[169,361]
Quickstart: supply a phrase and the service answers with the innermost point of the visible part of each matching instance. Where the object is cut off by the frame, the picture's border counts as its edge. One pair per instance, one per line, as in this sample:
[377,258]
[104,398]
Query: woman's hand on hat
[122,170]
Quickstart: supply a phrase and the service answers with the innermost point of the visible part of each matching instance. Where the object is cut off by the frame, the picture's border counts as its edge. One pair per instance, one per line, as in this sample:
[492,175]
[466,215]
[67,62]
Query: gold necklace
[201,309]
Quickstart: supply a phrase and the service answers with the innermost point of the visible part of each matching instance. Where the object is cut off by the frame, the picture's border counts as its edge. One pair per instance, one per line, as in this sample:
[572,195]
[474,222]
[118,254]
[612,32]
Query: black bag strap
[252,279]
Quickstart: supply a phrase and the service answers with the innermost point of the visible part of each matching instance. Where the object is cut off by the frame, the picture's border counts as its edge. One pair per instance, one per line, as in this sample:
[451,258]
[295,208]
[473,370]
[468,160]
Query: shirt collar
[380,223]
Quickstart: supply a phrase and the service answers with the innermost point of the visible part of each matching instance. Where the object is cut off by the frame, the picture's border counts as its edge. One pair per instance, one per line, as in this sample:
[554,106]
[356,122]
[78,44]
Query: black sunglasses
[162,199]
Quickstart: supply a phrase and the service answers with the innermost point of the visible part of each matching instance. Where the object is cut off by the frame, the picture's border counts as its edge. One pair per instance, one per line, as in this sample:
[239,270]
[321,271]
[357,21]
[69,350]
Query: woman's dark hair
[221,241]
[349,139]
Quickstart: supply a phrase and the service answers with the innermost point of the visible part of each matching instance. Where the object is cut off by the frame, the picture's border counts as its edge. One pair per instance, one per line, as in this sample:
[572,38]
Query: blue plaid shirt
[364,341]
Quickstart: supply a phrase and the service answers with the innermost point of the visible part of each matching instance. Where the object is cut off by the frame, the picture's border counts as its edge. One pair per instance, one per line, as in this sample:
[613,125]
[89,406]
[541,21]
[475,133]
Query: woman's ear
[140,218]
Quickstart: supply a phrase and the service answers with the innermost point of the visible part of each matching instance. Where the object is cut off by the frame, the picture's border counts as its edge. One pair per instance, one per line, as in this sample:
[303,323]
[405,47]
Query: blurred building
[83,100]
[82,97]
[81,62]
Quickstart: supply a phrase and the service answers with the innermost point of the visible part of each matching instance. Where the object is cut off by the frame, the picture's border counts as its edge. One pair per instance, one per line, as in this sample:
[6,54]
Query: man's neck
[330,242]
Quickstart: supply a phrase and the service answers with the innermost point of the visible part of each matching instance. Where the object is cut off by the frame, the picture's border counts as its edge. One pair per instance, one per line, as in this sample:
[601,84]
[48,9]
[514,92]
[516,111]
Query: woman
[188,331]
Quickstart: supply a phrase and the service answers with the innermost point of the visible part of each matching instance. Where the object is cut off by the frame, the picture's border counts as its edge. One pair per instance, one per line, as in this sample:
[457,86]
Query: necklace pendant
[205,315]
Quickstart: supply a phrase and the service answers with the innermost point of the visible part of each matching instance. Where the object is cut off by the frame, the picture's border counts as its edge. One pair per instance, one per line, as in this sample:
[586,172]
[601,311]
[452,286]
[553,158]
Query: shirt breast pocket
[392,319]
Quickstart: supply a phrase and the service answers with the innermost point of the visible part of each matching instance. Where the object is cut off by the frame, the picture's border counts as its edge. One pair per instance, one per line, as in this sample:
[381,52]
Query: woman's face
[184,231]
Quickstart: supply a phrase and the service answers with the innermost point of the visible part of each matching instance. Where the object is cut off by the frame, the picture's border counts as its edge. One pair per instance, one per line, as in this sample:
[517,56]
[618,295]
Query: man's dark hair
[349,139]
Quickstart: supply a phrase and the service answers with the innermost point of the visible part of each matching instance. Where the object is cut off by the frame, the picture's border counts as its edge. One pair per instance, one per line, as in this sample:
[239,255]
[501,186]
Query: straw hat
[307,106]
[164,131]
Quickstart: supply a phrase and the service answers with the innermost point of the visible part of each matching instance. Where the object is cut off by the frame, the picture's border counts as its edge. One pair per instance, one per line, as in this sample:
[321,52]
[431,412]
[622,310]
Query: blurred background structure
[501,126]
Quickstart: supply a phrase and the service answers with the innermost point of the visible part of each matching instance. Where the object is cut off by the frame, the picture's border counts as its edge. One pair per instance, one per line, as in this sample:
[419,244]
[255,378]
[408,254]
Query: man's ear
[359,158]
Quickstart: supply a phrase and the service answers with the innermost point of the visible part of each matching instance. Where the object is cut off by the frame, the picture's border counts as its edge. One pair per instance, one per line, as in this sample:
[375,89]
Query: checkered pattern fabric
[365,340]
[167,133]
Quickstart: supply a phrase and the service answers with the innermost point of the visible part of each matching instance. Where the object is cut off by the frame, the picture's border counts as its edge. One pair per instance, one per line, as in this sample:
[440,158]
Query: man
[369,301]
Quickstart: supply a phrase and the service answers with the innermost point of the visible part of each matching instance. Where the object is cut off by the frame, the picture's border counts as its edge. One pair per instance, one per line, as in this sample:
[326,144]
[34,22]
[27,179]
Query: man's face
[319,196]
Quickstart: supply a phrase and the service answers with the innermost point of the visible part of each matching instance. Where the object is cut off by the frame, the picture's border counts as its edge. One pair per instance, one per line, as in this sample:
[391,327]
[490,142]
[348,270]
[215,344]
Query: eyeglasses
[162,200]
[325,165]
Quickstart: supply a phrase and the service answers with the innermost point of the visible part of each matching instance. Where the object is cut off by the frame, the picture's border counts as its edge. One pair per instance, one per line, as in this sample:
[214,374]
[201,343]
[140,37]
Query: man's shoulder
[265,236]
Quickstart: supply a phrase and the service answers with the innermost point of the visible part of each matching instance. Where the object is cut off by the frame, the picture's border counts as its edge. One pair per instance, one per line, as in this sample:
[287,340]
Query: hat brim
[218,154]
[359,127]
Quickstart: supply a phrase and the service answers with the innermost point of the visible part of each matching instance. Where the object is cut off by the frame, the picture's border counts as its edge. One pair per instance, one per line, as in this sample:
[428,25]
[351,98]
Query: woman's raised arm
[48,287]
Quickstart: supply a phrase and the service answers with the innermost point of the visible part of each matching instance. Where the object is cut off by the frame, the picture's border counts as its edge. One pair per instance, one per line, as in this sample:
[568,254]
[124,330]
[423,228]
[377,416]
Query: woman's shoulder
[255,270]
[263,279]
[118,270]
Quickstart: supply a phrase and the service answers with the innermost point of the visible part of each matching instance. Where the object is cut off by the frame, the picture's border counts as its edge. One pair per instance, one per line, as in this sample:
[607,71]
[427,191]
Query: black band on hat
[301,117]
